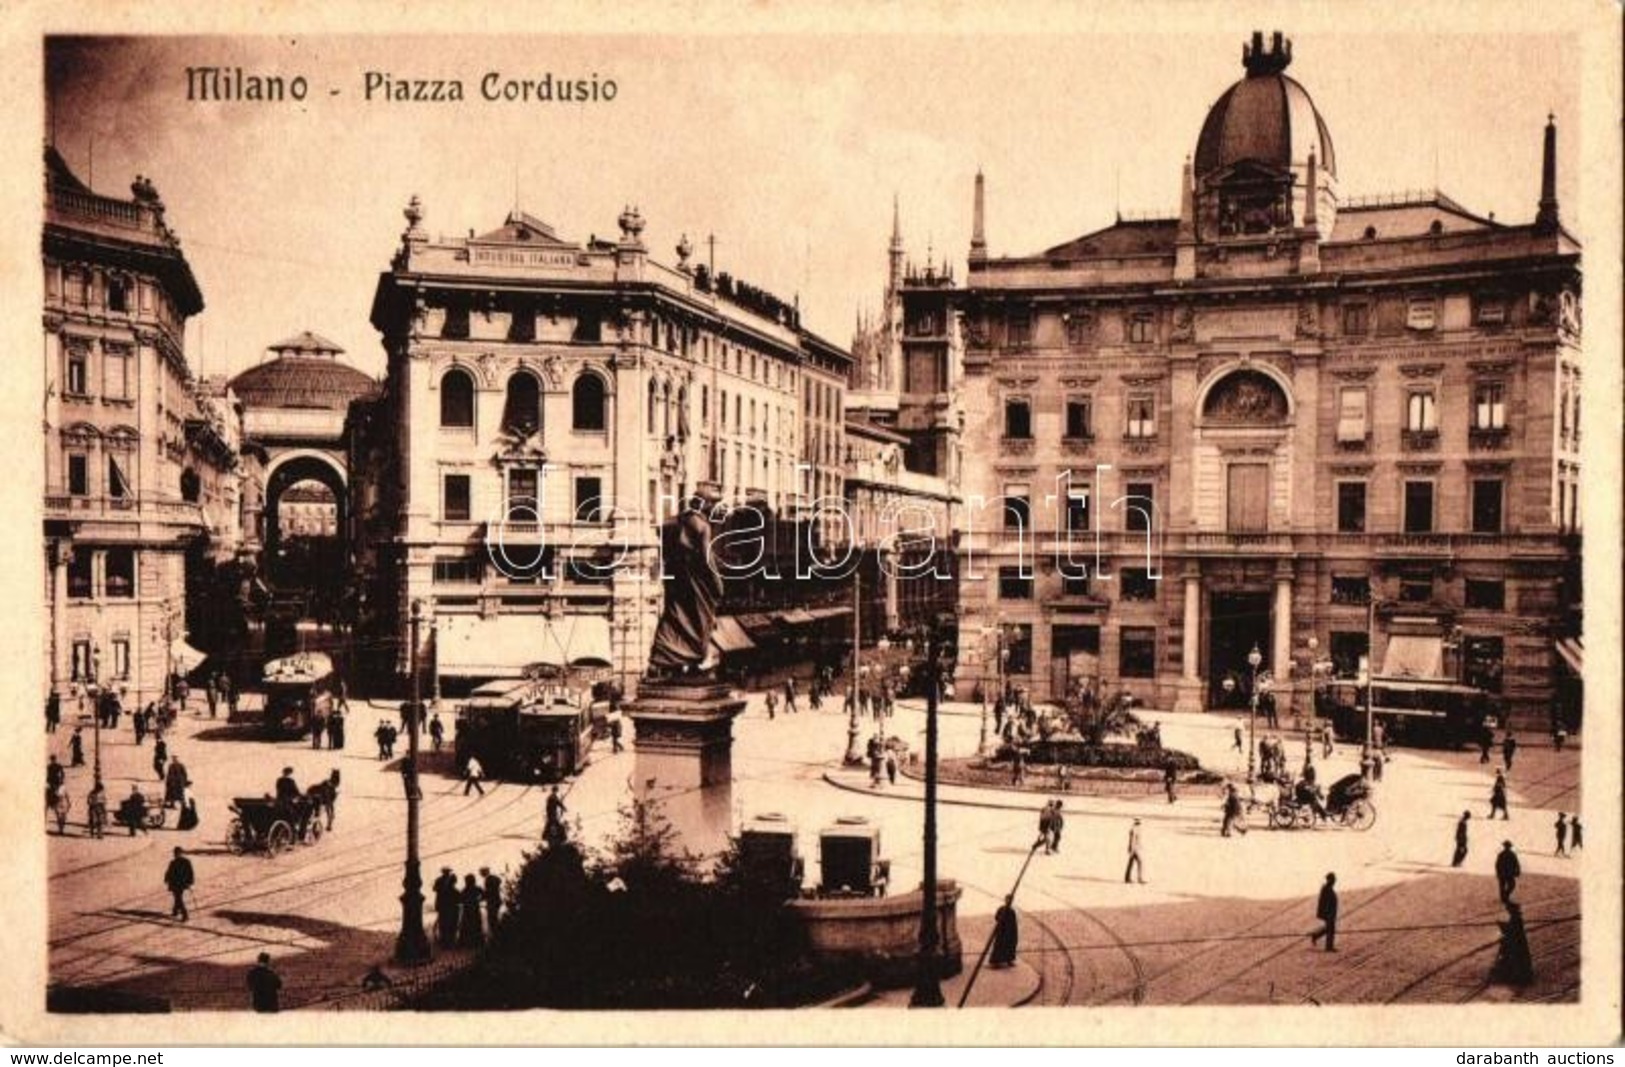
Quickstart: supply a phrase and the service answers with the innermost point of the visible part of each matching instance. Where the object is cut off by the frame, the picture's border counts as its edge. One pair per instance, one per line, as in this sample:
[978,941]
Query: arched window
[457,399]
[587,402]
[523,411]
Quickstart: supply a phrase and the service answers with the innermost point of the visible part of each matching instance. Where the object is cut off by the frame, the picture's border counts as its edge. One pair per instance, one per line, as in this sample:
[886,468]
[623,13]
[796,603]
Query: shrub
[1080,753]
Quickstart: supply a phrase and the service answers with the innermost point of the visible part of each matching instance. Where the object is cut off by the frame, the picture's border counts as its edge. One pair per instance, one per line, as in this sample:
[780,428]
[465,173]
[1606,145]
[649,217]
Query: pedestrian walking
[160,758]
[1509,749]
[447,904]
[772,703]
[1461,840]
[211,692]
[471,932]
[1507,871]
[176,783]
[318,729]
[437,732]
[1018,766]
[1562,834]
[1046,823]
[1560,737]
[335,729]
[1377,762]
[229,691]
[615,727]
[1232,812]
[1326,912]
[264,986]
[1498,797]
[1006,936]
[1170,781]
[1486,741]
[891,767]
[553,830]
[472,773]
[381,735]
[1136,865]
[790,696]
[1575,841]
[1057,823]
[877,760]
[96,806]
[55,776]
[491,890]
[178,877]
[1238,745]
[53,711]
[141,721]
[133,810]
[1379,736]
[76,747]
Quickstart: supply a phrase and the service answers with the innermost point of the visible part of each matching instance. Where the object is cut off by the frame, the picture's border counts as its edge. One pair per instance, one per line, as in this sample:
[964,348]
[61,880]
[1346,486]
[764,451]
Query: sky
[788,148]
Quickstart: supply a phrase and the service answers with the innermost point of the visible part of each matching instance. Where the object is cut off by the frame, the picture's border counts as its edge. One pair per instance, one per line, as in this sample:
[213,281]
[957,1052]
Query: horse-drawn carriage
[263,824]
[1348,803]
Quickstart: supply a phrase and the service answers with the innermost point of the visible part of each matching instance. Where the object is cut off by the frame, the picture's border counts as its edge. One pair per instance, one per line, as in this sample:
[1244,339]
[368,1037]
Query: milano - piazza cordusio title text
[243,85]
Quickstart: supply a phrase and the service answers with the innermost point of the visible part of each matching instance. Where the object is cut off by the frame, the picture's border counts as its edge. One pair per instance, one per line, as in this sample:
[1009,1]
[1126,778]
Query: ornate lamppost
[854,754]
[96,708]
[412,946]
[1314,699]
[1254,658]
[928,984]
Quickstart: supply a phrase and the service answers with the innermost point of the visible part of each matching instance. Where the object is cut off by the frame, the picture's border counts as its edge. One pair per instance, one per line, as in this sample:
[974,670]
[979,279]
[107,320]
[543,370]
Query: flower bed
[1077,753]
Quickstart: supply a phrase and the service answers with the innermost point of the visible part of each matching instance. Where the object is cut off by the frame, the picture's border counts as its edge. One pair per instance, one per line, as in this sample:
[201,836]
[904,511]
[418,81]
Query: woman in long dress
[1005,935]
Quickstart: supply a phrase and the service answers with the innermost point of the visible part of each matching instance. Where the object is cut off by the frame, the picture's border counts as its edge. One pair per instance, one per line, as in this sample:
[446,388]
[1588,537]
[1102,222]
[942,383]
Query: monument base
[881,935]
[683,750]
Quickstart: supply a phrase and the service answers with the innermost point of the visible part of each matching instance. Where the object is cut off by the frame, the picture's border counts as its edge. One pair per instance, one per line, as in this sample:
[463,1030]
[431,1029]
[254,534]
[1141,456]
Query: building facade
[1286,419]
[141,467]
[547,404]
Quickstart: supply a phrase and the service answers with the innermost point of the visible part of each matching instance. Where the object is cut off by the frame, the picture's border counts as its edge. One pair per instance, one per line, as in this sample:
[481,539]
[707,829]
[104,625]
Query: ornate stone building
[1238,427]
[141,464]
[548,402]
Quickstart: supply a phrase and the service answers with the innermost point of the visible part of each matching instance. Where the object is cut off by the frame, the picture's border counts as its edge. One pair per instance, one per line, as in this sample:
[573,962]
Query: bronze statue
[693,587]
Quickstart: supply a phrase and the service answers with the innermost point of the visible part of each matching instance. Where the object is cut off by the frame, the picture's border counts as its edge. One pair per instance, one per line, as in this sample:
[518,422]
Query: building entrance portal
[1236,622]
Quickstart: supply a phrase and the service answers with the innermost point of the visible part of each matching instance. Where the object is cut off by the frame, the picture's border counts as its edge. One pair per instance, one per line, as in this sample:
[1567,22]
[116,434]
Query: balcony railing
[123,507]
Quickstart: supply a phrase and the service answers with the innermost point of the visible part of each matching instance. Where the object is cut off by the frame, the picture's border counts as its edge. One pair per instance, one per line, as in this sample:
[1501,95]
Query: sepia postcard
[549,524]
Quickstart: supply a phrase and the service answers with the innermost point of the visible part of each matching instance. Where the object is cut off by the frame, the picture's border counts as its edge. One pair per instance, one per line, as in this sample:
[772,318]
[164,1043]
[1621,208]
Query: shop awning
[729,636]
[185,658]
[1573,653]
[1412,656]
[502,646]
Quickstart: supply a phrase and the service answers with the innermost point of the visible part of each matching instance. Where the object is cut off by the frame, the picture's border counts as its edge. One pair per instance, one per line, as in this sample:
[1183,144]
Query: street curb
[830,772]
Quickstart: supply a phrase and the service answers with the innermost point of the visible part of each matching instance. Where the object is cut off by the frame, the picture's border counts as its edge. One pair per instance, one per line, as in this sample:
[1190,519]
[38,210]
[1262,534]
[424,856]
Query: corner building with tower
[1323,426]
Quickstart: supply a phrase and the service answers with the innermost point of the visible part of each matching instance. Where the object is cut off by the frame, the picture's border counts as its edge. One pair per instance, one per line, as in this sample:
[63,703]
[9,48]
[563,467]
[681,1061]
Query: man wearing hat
[264,986]
[447,902]
[1507,870]
[1135,866]
[492,892]
[1326,912]
[179,877]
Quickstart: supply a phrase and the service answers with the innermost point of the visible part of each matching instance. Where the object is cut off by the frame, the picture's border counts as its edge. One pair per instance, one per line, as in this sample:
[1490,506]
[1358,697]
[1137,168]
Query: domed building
[1281,435]
[294,405]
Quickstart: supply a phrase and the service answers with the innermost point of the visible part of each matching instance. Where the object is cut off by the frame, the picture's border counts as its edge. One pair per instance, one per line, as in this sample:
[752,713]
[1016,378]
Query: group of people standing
[466,915]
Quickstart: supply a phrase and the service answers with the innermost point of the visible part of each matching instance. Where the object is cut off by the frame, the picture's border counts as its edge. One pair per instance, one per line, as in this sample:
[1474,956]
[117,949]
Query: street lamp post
[96,709]
[1254,658]
[928,986]
[854,754]
[1314,696]
[882,676]
[412,946]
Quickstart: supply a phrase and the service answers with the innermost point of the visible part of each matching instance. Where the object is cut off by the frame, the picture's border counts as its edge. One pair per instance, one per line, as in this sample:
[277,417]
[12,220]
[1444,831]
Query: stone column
[1281,632]
[59,608]
[1189,687]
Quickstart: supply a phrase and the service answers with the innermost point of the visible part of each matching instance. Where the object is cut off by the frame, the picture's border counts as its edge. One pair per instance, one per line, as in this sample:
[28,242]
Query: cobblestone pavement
[1222,920]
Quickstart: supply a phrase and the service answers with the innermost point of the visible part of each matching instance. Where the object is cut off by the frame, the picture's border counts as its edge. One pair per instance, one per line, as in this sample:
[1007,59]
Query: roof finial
[1546,219]
[1260,63]
[978,236]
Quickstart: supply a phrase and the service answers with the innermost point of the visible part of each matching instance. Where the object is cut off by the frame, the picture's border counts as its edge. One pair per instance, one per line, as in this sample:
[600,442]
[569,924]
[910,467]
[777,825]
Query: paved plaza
[1220,920]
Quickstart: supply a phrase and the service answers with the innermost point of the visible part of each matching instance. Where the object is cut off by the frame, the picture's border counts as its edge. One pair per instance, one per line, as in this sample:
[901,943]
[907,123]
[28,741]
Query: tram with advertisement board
[536,728]
[297,688]
[1412,711]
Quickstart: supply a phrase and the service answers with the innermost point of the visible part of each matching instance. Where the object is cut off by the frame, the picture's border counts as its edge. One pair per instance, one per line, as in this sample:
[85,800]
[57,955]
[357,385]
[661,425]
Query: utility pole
[412,946]
[928,982]
[854,755]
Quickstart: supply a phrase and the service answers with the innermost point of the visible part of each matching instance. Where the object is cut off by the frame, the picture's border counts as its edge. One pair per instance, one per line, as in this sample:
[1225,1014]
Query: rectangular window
[1021,329]
[79,574]
[1137,584]
[1248,502]
[456,500]
[1351,415]
[118,485]
[705,403]
[78,474]
[589,499]
[456,325]
[78,383]
[1418,507]
[121,658]
[1356,319]
[1077,508]
[1141,416]
[1075,584]
[1421,412]
[1079,423]
[1137,652]
[524,500]
[1018,418]
[1487,493]
[120,563]
[1139,506]
[1486,595]
[1013,585]
[469,568]
[1017,506]
[1416,588]
[1355,589]
[1489,406]
[1077,328]
[1490,310]
[1351,507]
[1140,328]
[82,662]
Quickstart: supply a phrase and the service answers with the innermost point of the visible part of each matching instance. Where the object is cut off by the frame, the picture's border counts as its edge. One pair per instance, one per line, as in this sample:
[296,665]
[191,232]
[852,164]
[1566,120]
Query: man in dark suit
[1326,912]
[179,877]
[1461,839]
[1507,870]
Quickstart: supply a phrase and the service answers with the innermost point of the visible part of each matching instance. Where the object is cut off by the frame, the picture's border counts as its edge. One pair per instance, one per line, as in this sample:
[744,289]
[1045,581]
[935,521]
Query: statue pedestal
[684,758]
